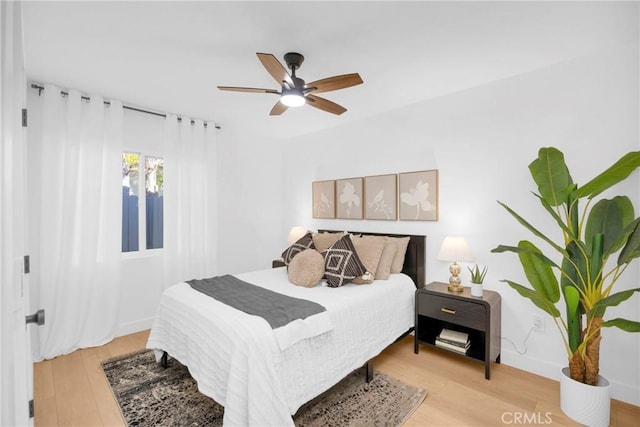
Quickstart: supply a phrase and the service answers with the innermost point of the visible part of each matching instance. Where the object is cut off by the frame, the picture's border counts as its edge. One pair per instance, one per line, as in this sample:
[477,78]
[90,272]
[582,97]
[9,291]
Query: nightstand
[479,317]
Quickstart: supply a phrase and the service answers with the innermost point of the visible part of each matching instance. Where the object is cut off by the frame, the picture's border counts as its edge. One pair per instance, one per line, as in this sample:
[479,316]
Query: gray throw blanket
[275,308]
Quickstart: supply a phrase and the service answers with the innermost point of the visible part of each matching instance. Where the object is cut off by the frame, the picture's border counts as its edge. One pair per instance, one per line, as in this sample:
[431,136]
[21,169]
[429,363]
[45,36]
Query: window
[142,217]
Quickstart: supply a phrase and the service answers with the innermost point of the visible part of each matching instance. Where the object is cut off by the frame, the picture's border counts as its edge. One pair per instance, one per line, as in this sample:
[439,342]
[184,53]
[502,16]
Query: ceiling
[170,56]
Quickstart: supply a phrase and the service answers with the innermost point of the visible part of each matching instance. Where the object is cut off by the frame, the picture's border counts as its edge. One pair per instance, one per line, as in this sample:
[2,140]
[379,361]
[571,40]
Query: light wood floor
[71,390]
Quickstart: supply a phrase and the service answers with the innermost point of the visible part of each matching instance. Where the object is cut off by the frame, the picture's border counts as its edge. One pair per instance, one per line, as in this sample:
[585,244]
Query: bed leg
[368,368]
[164,360]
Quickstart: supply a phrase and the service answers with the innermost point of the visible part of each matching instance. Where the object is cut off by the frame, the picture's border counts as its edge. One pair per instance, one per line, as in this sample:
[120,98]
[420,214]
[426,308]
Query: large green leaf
[531,228]
[615,299]
[574,265]
[574,326]
[573,216]
[617,172]
[538,299]
[551,174]
[596,261]
[539,273]
[624,324]
[559,220]
[601,306]
[609,217]
[632,249]
[518,250]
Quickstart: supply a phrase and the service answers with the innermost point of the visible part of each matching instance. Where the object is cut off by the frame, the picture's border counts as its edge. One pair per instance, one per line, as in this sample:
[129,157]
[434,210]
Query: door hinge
[31,409]
[27,264]
[24,117]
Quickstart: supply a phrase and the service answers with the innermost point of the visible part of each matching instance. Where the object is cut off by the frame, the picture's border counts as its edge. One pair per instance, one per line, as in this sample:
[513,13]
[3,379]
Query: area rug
[149,395]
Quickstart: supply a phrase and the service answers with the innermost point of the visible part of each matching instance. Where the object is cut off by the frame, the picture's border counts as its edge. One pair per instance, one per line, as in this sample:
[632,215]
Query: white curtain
[76,207]
[190,218]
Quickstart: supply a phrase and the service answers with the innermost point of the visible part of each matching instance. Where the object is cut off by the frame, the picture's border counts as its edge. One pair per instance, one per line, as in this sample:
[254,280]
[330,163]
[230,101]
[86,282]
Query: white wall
[250,200]
[481,141]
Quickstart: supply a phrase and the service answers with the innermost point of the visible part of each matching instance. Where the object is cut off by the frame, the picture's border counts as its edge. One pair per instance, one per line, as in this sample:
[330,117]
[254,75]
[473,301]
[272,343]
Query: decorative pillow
[341,263]
[369,250]
[306,269]
[384,266]
[303,243]
[323,241]
[401,250]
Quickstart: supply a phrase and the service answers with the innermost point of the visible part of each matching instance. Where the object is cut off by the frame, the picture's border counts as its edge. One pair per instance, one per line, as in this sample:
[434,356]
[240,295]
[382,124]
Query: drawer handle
[448,310]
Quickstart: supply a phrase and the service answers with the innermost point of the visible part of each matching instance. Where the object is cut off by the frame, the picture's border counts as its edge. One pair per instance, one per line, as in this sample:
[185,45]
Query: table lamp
[295,234]
[455,248]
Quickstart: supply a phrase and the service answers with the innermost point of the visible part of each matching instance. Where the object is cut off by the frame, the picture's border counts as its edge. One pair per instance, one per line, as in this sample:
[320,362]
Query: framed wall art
[381,197]
[349,198]
[418,195]
[324,197]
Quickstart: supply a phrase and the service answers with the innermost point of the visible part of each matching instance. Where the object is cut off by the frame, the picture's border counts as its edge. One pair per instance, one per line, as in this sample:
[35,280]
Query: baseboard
[536,366]
[133,327]
[625,393]
[619,391]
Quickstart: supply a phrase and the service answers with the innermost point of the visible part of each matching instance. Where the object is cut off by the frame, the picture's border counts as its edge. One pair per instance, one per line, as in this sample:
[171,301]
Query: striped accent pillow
[341,263]
[303,243]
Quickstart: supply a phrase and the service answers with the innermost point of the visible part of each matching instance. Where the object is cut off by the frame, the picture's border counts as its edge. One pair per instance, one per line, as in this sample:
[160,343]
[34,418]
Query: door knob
[37,318]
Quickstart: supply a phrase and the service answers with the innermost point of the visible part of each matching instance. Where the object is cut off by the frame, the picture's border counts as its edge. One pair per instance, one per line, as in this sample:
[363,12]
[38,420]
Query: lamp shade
[295,234]
[455,248]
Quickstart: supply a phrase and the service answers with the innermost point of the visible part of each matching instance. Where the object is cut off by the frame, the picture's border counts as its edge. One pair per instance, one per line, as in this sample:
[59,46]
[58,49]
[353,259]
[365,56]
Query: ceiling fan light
[292,99]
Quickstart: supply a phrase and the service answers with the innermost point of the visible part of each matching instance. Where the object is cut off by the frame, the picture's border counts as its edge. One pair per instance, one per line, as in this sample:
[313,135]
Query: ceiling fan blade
[325,105]
[334,83]
[275,68]
[247,89]
[278,109]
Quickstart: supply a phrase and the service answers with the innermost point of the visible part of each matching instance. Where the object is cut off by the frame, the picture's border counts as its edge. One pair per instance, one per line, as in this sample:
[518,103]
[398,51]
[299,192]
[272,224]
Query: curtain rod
[40,88]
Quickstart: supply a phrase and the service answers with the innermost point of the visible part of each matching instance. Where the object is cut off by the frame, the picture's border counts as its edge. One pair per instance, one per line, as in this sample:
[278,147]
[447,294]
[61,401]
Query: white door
[16,363]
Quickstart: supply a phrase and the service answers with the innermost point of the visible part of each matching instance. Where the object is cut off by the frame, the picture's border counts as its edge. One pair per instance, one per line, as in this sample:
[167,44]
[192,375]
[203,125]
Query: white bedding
[236,359]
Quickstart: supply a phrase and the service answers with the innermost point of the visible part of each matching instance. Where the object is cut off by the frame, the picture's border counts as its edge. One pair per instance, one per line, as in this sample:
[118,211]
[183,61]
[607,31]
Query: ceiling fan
[295,91]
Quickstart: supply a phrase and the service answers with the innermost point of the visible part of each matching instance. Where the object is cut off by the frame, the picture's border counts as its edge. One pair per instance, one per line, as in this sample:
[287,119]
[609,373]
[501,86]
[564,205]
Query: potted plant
[591,235]
[477,277]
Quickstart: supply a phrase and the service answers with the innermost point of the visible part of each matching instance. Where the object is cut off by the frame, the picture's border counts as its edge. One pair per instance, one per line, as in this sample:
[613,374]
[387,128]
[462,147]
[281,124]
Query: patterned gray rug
[149,395]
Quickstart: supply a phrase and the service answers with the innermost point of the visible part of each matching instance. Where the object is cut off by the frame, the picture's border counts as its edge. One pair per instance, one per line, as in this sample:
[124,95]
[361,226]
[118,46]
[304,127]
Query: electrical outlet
[538,323]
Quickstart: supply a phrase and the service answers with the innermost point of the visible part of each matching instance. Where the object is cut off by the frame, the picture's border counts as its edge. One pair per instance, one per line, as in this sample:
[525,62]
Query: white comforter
[236,359]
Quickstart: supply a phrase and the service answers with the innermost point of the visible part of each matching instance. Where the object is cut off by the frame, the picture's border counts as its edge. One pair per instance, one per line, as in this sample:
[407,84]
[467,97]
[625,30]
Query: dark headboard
[413,260]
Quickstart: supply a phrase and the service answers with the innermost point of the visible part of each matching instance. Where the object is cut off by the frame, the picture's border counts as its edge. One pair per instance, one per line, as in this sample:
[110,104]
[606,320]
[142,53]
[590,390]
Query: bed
[237,360]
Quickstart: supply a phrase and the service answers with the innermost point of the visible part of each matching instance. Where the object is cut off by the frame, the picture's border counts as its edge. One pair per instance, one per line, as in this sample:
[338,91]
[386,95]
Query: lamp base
[455,287]
[455,281]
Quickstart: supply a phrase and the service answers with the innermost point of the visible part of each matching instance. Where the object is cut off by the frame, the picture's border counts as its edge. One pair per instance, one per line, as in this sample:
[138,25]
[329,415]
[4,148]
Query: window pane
[154,180]
[130,177]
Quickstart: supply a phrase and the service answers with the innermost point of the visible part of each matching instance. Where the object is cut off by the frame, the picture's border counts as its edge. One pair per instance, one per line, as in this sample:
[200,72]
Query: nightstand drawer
[452,310]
